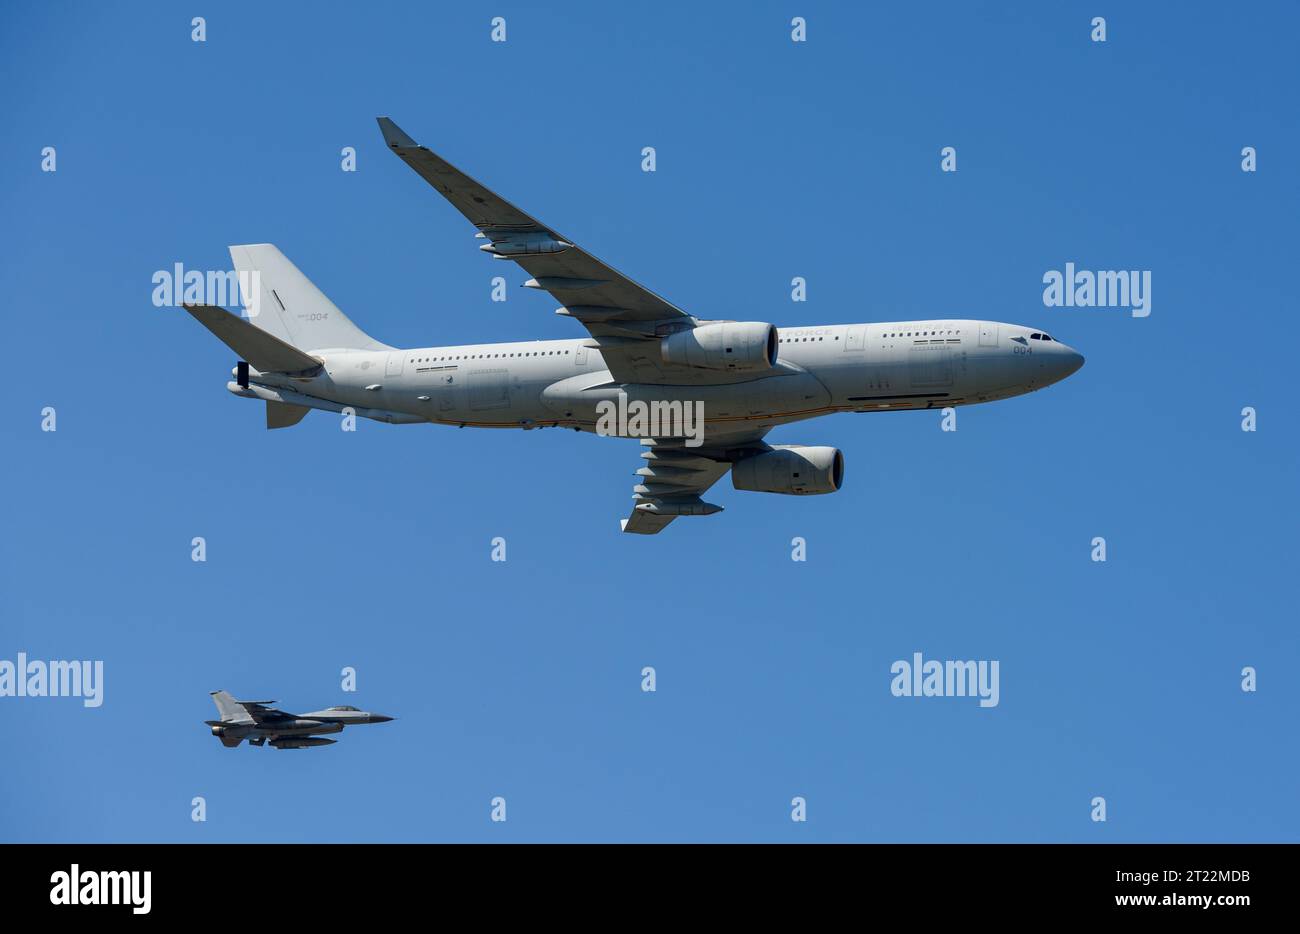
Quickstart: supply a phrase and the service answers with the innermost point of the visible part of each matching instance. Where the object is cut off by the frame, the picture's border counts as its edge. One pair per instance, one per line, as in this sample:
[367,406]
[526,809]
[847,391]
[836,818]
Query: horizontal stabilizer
[264,351]
[284,414]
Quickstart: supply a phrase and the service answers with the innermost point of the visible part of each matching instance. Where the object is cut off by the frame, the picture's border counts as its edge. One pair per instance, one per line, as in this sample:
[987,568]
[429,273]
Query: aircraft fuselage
[822,369]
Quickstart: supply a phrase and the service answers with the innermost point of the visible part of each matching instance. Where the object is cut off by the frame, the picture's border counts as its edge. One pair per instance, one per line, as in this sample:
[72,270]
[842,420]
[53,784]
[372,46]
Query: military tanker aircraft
[702,395]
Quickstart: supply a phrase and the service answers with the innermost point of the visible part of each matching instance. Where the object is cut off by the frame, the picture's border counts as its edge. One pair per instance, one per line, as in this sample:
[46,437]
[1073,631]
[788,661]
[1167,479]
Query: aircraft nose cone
[1060,362]
[379,718]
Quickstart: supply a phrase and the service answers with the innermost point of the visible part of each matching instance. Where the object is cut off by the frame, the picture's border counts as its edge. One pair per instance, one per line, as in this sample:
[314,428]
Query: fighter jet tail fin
[231,710]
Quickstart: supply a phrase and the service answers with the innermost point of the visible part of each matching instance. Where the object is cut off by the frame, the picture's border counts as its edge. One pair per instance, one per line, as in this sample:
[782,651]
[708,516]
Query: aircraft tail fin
[285,303]
[231,710]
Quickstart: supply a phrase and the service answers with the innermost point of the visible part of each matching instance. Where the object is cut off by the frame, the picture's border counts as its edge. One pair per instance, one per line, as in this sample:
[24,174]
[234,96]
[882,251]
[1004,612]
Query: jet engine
[724,345]
[790,468]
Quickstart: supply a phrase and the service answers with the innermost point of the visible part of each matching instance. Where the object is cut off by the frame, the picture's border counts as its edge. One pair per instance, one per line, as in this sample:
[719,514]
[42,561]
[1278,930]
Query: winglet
[394,135]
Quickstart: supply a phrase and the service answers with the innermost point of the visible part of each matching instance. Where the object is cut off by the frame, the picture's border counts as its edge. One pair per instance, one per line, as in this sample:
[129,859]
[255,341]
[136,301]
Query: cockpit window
[1047,337]
[1035,336]
[345,708]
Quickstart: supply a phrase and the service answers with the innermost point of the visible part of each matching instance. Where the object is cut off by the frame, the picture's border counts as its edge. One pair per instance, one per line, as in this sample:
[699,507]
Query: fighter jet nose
[380,718]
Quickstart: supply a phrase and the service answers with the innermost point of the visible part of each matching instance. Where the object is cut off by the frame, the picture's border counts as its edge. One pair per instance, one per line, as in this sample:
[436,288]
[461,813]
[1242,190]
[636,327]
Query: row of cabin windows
[784,340]
[485,356]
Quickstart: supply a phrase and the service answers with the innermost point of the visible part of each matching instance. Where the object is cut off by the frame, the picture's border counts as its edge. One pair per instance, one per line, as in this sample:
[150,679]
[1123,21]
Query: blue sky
[522,679]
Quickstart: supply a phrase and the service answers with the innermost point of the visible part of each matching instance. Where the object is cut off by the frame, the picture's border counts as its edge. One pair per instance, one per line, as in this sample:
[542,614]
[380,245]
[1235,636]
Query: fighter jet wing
[673,477]
[261,713]
[626,318]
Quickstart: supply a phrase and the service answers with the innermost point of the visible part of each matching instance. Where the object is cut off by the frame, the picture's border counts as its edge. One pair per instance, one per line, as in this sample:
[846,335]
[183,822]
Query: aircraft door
[395,361]
[988,334]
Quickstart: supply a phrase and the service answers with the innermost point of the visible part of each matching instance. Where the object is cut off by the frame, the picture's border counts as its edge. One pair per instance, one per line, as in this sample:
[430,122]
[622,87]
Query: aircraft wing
[672,478]
[261,713]
[626,318]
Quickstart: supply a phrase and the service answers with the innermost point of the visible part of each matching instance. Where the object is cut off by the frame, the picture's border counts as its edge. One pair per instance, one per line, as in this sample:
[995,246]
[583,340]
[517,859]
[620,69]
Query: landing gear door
[988,334]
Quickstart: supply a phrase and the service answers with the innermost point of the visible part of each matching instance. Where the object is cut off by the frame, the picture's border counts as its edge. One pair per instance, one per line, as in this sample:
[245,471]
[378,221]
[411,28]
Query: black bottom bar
[1176,883]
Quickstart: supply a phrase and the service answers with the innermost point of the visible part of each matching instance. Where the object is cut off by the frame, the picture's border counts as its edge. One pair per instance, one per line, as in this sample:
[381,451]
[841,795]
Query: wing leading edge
[626,318]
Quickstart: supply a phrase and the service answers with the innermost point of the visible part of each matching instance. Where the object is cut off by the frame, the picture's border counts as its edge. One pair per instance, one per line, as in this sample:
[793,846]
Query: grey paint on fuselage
[821,369]
[299,351]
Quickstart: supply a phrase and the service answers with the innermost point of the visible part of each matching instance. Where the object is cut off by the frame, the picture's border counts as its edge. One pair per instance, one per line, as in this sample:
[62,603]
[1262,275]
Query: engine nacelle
[725,345]
[790,468]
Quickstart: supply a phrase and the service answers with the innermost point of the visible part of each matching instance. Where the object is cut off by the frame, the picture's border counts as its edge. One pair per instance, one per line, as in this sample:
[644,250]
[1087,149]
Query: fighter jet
[258,722]
[700,394]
